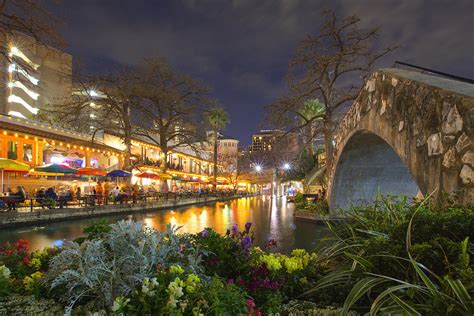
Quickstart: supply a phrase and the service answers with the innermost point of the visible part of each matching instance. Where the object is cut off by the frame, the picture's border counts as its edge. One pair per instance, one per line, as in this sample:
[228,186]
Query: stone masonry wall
[431,128]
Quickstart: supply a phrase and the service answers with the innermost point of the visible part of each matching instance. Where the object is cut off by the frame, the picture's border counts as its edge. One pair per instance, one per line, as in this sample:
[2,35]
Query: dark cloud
[241,48]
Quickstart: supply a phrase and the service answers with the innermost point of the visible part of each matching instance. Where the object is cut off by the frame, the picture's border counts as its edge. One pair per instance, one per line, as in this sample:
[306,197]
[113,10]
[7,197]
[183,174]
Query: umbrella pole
[3,190]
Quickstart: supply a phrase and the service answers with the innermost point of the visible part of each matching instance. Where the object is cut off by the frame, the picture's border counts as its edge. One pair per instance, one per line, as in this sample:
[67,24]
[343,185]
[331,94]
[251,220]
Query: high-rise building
[264,140]
[32,75]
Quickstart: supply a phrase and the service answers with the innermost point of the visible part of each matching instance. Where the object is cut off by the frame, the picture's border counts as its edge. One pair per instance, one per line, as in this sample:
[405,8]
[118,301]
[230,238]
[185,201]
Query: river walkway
[38,216]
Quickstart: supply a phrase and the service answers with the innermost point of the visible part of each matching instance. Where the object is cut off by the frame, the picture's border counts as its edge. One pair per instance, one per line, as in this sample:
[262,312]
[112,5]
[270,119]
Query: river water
[271,218]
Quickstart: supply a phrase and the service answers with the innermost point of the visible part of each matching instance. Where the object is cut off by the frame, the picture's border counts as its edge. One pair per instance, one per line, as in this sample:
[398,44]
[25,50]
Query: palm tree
[311,112]
[217,118]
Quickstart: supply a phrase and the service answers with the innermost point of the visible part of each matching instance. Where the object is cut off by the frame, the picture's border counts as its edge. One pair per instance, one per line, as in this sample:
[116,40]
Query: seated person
[51,197]
[40,196]
[66,196]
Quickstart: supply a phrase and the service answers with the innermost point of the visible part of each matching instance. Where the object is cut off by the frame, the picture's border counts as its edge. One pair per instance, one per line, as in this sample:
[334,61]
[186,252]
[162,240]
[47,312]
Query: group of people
[47,198]
[14,198]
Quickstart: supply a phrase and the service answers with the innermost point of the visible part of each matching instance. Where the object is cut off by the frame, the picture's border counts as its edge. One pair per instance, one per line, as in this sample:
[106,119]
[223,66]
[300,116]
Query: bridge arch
[420,126]
[367,166]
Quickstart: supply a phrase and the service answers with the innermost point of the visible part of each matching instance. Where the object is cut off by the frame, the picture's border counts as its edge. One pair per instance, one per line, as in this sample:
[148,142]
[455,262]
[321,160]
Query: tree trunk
[215,160]
[128,149]
[164,167]
[309,140]
[328,143]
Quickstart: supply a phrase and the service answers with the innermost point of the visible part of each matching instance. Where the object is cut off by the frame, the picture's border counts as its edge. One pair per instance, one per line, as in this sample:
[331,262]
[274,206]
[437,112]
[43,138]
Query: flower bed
[417,254]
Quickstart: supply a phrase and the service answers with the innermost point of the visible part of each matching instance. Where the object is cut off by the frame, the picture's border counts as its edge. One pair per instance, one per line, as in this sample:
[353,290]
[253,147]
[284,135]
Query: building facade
[32,75]
[264,140]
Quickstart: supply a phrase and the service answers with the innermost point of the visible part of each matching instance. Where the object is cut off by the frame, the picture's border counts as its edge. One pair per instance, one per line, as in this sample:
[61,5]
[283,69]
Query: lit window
[27,153]
[12,150]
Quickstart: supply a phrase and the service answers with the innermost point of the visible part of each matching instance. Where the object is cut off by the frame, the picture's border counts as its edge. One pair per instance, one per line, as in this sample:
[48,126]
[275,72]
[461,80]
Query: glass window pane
[27,152]
[12,150]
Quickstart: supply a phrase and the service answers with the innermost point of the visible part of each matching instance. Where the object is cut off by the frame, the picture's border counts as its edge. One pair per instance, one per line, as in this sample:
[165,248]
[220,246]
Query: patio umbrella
[118,174]
[148,174]
[91,172]
[9,165]
[165,176]
[55,168]
[88,171]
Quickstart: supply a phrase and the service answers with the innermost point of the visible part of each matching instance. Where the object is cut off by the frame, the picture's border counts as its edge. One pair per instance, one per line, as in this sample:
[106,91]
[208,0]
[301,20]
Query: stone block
[452,124]
[370,86]
[383,108]
[463,143]
[401,124]
[449,158]
[468,158]
[435,146]
[467,175]
[449,139]
[394,82]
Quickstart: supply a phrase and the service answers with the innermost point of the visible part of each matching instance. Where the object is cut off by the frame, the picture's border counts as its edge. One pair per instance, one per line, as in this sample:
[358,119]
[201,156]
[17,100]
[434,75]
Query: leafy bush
[403,257]
[100,270]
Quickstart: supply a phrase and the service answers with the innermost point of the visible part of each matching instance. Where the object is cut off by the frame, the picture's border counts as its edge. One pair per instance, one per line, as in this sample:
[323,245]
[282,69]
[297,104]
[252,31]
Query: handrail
[436,72]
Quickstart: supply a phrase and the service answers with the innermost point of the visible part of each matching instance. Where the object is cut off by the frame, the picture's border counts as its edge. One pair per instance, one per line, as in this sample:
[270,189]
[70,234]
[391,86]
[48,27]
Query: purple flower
[247,226]
[204,233]
[246,243]
[234,231]
[271,243]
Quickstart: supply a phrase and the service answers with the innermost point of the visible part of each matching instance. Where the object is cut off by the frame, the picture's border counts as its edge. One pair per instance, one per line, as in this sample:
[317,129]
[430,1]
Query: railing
[436,72]
[13,203]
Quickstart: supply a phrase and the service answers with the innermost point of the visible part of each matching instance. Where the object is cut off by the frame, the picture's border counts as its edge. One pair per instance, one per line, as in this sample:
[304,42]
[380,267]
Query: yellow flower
[176,269]
[271,261]
[37,275]
[35,263]
[28,283]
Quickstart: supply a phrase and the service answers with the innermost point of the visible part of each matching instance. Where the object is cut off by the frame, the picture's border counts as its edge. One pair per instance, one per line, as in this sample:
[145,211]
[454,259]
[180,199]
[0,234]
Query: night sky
[241,48]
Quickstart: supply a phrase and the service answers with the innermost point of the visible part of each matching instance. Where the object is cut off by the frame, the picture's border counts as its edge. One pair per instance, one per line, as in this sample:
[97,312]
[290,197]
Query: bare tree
[99,103]
[330,66]
[31,18]
[170,107]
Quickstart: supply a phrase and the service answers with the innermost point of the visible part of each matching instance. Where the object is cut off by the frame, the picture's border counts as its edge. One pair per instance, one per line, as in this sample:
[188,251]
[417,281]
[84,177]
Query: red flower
[21,246]
[26,260]
[251,305]
[258,313]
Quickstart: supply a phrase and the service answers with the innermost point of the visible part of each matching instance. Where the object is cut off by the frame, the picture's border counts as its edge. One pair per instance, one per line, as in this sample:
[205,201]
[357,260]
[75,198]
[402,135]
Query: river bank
[17,219]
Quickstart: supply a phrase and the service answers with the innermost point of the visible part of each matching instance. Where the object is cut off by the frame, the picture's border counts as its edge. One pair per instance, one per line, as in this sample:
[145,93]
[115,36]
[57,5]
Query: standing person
[135,193]
[99,192]
[78,193]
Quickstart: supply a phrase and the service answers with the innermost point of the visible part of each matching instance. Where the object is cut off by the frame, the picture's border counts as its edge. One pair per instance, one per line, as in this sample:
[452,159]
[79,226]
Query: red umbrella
[88,171]
[148,174]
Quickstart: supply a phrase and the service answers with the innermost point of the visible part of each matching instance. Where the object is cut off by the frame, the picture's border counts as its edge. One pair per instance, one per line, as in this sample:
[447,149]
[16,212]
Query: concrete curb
[15,219]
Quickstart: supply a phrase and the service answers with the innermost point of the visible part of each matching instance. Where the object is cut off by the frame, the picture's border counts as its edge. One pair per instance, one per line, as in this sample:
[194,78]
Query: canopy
[13,165]
[9,165]
[148,174]
[91,172]
[119,173]
[165,176]
[56,168]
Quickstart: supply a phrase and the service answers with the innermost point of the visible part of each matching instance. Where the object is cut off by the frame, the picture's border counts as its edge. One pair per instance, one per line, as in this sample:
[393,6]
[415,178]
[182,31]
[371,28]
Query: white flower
[5,272]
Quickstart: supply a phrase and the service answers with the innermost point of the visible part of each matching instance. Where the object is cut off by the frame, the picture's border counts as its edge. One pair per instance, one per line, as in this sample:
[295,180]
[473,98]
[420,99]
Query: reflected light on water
[271,218]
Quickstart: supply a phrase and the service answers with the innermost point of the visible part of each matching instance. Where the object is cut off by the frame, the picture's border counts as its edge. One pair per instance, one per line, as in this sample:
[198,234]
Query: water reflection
[271,218]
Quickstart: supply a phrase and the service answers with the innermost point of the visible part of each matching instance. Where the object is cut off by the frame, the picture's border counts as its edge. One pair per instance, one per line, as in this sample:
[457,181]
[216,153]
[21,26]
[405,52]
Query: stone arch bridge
[407,133]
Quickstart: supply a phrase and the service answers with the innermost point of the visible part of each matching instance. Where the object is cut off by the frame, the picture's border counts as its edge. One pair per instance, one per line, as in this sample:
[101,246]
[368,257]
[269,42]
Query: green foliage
[400,257]
[100,270]
[393,257]
[97,230]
